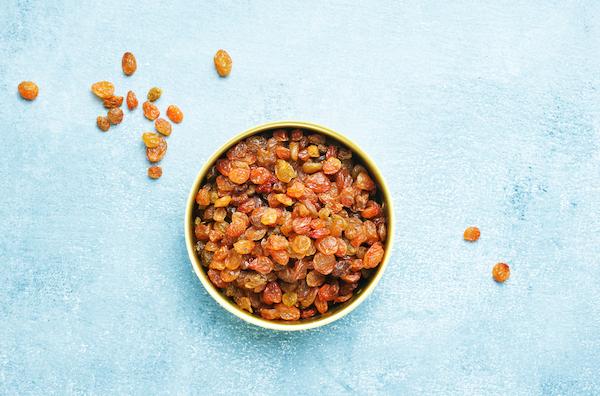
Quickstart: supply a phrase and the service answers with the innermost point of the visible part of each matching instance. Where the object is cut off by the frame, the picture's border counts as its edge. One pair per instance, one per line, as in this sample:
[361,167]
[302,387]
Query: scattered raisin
[155,154]
[223,63]
[154,172]
[28,90]
[501,272]
[132,101]
[115,115]
[103,123]
[151,112]
[113,101]
[163,126]
[103,89]
[174,114]
[471,234]
[150,139]
[154,94]
[128,63]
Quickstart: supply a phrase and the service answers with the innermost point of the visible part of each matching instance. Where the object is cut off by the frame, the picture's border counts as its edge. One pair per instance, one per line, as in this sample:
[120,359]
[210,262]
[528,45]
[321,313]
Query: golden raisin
[284,171]
[128,63]
[28,90]
[269,217]
[501,272]
[151,112]
[174,114]
[132,101]
[155,154]
[243,246]
[115,115]
[154,172]
[103,123]
[471,234]
[150,139]
[113,101]
[223,63]
[223,201]
[154,94]
[103,89]
[163,126]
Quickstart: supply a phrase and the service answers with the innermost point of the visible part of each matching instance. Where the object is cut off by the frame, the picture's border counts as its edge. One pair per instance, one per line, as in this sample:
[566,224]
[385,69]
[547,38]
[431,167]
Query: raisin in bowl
[289,226]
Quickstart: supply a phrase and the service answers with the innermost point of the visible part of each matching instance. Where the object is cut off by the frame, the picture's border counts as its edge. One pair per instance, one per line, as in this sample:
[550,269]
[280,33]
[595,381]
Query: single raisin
[174,114]
[132,101]
[28,90]
[373,256]
[115,115]
[223,63]
[501,272]
[154,94]
[151,112]
[150,139]
[113,101]
[163,126]
[128,63]
[103,123]
[103,89]
[471,234]
[154,172]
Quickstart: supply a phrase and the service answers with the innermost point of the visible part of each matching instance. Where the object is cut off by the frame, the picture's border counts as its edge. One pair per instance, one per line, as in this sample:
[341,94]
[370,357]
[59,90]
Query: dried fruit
[151,140]
[132,101]
[154,94]
[163,126]
[501,272]
[103,123]
[151,112]
[113,101]
[471,234]
[115,116]
[128,63]
[223,63]
[290,224]
[155,154]
[154,172]
[174,114]
[28,90]
[103,89]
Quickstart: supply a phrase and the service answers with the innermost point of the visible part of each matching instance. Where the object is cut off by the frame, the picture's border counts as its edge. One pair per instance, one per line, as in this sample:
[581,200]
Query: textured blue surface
[476,114]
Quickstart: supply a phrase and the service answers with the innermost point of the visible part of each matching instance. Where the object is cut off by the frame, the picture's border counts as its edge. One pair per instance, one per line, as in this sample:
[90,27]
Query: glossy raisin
[154,172]
[128,63]
[223,63]
[174,114]
[28,90]
[132,101]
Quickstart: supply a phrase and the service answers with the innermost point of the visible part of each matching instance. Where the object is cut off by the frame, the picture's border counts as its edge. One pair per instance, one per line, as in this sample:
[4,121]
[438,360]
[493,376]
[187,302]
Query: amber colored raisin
[288,313]
[284,171]
[223,201]
[324,263]
[154,94]
[471,234]
[128,63]
[174,114]
[243,246]
[501,272]
[132,101]
[163,126]
[150,139]
[272,293]
[269,217]
[28,90]
[103,89]
[327,245]
[239,175]
[103,123]
[223,63]
[154,172]
[373,256]
[155,154]
[151,112]
[332,165]
[321,305]
[113,101]
[115,115]
[289,299]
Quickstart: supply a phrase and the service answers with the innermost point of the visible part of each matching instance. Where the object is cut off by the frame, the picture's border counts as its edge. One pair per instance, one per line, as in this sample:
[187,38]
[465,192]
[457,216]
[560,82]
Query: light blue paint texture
[477,114]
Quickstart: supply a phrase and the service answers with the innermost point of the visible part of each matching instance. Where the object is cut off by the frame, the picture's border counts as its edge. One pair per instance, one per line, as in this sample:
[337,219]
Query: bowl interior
[365,287]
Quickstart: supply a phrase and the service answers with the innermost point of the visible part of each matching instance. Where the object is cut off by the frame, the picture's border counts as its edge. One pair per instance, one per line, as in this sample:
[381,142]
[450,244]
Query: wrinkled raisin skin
[174,114]
[223,63]
[154,172]
[128,63]
[151,112]
[132,101]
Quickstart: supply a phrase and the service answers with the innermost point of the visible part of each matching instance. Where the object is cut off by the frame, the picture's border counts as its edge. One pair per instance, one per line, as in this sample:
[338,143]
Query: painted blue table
[484,115]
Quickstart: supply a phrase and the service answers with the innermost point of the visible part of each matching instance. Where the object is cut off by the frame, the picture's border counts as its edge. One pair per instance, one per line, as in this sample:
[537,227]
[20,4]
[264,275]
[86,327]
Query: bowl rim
[300,325]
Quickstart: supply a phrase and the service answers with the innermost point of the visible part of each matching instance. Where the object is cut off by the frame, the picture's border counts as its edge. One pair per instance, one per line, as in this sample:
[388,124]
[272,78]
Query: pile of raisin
[156,145]
[288,224]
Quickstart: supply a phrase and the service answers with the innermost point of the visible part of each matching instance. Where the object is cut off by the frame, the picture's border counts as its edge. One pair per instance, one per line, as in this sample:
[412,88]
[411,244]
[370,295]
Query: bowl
[335,312]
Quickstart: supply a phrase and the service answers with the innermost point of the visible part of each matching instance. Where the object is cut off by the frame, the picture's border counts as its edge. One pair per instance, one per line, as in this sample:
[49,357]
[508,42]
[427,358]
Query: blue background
[477,114]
